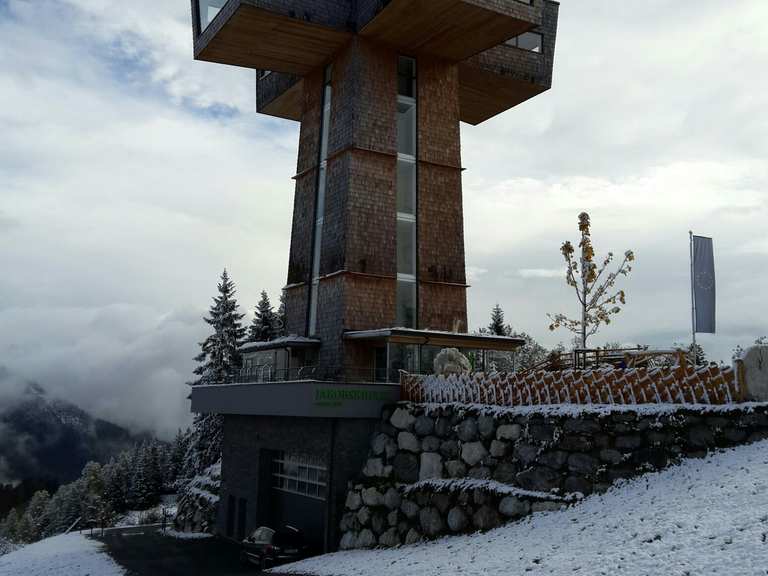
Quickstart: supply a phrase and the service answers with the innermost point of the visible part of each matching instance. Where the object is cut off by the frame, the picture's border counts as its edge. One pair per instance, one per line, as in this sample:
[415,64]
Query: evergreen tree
[9,526]
[219,357]
[36,512]
[282,321]
[266,324]
[497,326]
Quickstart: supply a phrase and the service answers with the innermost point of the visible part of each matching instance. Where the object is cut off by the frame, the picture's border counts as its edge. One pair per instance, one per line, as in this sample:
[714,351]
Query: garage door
[299,494]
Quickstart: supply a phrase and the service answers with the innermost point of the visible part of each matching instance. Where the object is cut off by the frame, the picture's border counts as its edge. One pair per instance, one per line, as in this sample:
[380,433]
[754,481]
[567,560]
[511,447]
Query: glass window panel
[208,11]
[406,187]
[406,304]
[406,247]
[531,41]
[406,128]
[406,76]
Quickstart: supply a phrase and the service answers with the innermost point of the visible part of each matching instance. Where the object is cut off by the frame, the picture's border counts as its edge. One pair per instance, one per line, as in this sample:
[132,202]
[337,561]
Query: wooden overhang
[287,104]
[483,93]
[245,35]
[449,29]
[437,338]
[280,343]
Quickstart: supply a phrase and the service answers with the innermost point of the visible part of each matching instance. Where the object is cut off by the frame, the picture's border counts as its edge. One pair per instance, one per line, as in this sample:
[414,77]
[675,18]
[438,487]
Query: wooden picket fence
[675,385]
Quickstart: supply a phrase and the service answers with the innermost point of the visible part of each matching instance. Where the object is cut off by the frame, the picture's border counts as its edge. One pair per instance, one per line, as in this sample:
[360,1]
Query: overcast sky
[131,175]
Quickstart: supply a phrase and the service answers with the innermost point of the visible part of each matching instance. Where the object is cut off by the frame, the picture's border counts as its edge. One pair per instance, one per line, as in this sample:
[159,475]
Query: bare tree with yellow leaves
[593,284]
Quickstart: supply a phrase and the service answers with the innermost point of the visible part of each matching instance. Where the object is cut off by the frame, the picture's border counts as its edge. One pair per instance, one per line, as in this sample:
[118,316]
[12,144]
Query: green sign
[336,397]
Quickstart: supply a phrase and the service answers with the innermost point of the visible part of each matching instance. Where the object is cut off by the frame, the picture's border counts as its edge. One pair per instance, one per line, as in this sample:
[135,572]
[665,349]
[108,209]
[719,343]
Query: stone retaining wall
[441,469]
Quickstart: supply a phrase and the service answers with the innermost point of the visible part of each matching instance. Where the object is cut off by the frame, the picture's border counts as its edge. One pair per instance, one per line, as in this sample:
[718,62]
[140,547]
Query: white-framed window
[302,474]
[530,41]
[208,10]
[407,191]
[322,178]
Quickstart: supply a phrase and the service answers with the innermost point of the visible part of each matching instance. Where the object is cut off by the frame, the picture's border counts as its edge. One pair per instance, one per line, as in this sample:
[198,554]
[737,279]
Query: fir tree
[266,324]
[497,326]
[9,526]
[37,513]
[219,358]
[282,321]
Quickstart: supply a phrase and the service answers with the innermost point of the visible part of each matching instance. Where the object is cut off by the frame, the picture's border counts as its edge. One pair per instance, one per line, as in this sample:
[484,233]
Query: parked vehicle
[266,547]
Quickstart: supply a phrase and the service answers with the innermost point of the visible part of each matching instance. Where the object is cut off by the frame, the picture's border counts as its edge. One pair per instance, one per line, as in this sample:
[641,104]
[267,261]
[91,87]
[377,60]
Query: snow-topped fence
[676,385]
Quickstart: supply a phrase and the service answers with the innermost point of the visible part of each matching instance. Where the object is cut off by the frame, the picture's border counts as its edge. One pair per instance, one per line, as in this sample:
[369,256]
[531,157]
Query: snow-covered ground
[65,555]
[152,515]
[703,517]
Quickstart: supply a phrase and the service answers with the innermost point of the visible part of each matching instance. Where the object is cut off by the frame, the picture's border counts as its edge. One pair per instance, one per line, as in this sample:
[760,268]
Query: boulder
[408,442]
[443,426]
[364,516]
[455,469]
[526,454]
[480,473]
[431,444]
[449,448]
[393,518]
[348,541]
[366,539]
[390,538]
[583,464]
[628,442]
[402,419]
[513,507]
[392,499]
[353,501]
[577,484]
[611,456]
[409,508]
[467,430]
[374,468]
[506,472]
[473,453]
[755,361]
[431,466]
[498,448]
[384,445]
[406,468]
[424,425]
[486,425]
[379,523]
[486,518]
[450,361]
[372,497]
[555,460]
[457,520]
[509,432]
[540,479]
[413,537]
[431,521]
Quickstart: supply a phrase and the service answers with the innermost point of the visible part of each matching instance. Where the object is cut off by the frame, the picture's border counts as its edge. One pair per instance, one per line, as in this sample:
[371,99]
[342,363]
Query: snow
[599,410]
[6,547]
[66,555]
[187,535]
[167,506]
[466,484]
[702,517]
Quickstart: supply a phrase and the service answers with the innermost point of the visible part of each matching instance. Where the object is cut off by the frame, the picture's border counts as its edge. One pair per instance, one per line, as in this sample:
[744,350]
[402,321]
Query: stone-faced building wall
[444,469]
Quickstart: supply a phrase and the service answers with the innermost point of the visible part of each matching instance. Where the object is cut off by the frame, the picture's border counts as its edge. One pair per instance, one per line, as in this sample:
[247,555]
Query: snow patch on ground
[702,517]
[65,555]
[186,535]
[6,547]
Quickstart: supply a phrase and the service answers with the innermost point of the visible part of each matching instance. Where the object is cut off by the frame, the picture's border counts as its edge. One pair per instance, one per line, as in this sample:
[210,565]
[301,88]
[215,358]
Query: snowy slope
[703,517]
[65,555]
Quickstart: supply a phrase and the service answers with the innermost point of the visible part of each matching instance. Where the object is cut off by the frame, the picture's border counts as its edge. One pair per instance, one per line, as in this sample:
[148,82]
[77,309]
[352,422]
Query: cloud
[541,273]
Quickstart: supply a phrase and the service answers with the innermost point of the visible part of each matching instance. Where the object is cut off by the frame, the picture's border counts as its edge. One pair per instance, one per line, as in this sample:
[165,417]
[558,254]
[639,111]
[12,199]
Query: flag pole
[693,299]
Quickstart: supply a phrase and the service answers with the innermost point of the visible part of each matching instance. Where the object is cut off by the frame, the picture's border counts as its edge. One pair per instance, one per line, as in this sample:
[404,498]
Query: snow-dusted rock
[392,499]
[451,361]
[756,373]
[513,507]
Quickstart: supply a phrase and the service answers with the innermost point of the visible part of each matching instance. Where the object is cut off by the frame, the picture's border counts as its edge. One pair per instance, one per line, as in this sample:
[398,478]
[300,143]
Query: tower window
[207,10]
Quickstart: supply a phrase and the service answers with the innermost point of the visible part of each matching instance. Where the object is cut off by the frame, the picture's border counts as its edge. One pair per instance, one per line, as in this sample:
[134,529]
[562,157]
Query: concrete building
[376,279]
